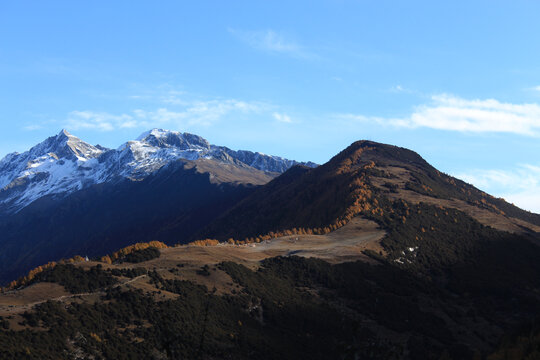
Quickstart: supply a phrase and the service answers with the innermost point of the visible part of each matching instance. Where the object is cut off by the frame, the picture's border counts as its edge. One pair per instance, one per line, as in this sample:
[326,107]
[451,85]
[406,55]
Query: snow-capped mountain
[63,164]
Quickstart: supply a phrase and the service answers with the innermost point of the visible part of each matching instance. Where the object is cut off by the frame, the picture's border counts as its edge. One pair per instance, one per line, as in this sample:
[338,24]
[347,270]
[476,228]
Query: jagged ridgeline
[63,164]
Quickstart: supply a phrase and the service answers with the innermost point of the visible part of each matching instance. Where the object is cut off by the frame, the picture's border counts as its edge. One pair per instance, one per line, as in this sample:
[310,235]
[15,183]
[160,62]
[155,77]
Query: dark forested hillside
[293,307]
[354,181]
[169,206]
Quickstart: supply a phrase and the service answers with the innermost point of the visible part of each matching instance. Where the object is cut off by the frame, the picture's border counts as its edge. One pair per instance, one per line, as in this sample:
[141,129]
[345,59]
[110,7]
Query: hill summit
[358,180]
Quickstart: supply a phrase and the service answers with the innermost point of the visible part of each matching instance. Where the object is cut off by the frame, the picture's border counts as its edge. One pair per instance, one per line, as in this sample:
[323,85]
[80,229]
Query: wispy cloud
[397,89]
[520,186]
[203,113]
[400,89]
[452,113]
[186,113]
[272,42]
[284,118]
[102,121]
[524,177]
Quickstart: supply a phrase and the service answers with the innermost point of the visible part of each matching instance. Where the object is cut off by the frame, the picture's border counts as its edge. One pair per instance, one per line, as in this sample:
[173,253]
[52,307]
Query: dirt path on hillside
[9,306]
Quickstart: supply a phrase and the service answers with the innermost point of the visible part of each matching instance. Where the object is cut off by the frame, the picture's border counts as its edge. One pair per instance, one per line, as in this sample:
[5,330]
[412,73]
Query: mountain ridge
[62,164]
[353,182]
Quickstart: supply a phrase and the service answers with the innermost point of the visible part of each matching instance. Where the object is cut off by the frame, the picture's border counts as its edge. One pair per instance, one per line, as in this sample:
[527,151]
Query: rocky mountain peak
[63,163]
[65,146]
[365,151]
[166,138]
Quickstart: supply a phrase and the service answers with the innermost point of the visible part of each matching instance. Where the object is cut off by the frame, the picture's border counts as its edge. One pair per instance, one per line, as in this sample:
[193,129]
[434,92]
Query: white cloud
[284,118]
[272,42]
[520,186]
[98,121]
[397,89]
[525,200]
[203,113]
[452,113]
[524,177]
[400,89]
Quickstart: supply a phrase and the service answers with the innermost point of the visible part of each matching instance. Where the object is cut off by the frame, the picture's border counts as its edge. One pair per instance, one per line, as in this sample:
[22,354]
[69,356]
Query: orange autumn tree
[205,242]
[363,201]
[108,259]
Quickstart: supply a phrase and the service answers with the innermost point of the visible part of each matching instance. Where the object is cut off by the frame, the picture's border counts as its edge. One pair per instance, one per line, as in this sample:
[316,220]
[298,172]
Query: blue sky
[457,82]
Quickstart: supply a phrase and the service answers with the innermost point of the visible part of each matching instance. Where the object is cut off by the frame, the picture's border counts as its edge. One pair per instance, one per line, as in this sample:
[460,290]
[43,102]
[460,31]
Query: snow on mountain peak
[64,145]
[158,134]
[63,163]
[166,138]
